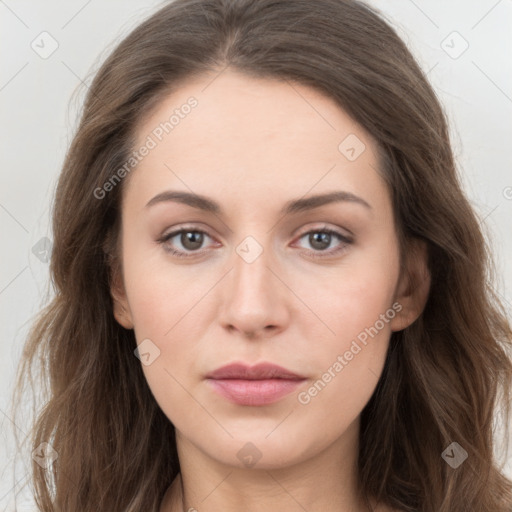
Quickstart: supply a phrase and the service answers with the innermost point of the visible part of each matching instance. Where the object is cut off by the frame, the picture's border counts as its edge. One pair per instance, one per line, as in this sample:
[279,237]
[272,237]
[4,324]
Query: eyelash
[314,254]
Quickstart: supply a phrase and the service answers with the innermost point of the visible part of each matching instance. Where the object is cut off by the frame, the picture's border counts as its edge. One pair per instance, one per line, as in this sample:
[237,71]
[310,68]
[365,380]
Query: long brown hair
[445,376]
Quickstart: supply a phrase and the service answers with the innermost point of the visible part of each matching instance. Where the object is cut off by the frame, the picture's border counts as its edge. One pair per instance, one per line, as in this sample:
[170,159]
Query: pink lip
[261,384]
[257,372]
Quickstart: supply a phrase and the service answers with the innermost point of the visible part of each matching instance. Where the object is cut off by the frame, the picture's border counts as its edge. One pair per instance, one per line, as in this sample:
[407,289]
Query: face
[251,275]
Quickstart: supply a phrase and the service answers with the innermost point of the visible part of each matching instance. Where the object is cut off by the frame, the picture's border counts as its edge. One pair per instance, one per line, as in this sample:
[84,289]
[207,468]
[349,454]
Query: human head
[356,60]
[280,301]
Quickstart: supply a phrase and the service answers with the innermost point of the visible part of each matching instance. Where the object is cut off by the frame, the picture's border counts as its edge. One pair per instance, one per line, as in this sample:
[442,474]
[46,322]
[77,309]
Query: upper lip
[257,372]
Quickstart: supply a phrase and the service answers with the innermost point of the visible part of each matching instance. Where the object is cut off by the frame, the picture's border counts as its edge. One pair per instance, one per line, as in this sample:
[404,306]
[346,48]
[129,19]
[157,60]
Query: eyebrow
[294,206]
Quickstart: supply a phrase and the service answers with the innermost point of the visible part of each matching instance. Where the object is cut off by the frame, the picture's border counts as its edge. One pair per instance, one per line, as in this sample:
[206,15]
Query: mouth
[262,384]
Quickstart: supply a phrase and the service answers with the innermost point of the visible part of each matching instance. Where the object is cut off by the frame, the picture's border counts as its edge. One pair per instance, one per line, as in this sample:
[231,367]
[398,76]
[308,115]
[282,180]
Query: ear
[413,286]
[122,312]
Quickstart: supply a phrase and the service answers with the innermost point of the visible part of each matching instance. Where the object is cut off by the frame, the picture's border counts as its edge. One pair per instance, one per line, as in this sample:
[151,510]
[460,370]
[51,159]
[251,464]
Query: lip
[259,371]
[258,385]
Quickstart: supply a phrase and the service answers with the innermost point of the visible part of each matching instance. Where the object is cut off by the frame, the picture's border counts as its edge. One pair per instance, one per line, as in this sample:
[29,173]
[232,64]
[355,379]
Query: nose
[255,298]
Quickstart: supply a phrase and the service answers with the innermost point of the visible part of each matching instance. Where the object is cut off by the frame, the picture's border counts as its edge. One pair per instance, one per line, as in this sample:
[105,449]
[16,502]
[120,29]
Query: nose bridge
[252,299]
[251,274]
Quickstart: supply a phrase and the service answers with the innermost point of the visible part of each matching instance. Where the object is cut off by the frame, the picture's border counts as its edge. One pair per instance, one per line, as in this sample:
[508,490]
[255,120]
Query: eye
[190,240]
[320,239]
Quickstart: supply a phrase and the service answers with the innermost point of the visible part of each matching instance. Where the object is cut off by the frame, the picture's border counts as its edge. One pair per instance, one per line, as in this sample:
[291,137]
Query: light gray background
[39,113]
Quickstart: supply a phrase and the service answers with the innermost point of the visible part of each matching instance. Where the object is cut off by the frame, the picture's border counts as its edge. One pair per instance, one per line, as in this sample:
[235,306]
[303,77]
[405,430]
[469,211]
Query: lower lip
[254,392]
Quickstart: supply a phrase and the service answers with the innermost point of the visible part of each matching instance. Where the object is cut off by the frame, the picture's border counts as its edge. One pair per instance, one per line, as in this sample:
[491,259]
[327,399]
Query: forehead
[231,105]
[228,130]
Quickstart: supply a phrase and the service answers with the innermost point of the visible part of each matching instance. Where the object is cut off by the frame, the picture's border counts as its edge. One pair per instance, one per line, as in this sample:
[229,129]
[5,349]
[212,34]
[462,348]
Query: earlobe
[122,315]
[413,287]
[122,312]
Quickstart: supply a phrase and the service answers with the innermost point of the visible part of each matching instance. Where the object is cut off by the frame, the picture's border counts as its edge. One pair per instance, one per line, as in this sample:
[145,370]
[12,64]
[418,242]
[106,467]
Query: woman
[271,291]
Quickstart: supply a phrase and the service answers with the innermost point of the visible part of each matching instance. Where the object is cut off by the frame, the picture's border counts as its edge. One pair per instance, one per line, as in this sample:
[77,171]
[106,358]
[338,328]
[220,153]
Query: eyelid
[327,227]
[345,240]
[164,238]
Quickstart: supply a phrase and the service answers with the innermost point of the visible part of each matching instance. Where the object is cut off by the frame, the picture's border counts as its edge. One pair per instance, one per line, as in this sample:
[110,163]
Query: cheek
[165,309]
[162,294]
[357,305]
[348,364]
[353,298]
[350,361]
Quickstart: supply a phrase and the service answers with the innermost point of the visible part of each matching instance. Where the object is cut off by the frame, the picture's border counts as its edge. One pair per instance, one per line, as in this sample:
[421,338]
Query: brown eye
[184,242]
[191,240]
[321,239]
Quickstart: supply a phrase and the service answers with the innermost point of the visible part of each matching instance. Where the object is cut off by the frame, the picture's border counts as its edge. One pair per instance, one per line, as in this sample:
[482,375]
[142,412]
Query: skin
[252,145]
